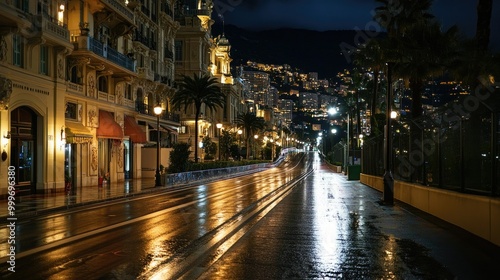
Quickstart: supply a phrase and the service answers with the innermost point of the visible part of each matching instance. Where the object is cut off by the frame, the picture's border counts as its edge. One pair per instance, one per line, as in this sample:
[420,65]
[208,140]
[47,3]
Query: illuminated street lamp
[219,126]
[157,110]
[255,146]
[239,143]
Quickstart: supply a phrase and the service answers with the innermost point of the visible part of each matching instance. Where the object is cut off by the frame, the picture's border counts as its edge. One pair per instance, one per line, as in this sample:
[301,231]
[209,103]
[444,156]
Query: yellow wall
[479,215]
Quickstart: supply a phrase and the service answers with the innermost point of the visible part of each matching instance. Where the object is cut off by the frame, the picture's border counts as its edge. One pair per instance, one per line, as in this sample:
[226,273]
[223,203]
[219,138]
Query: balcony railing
[120,59]
[97,47]
[120,8]
[75,88]
[169,116]
[49,24]
[148,42]
[145,73]
[144,108]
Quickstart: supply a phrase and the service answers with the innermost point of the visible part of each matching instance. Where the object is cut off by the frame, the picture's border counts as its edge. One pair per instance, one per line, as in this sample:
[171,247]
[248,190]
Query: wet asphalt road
[329,228]
[322,227]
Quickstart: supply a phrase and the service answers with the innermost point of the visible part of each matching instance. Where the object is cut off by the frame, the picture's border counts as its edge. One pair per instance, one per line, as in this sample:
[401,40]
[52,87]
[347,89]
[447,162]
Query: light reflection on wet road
[329,228]
[249,228]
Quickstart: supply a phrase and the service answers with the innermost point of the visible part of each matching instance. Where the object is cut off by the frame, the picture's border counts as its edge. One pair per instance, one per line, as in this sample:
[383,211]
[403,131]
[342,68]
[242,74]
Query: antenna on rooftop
[222,18]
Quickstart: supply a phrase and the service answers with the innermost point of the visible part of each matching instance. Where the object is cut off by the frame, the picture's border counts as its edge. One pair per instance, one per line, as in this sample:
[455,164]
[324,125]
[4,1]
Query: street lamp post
[388,197]
[219,126]
[157,110]
[239,143]
[348,139]
[255,146]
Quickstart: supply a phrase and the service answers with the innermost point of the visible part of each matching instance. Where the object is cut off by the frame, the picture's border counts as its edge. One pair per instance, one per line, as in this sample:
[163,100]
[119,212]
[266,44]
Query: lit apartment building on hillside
[309,101]
[259,83]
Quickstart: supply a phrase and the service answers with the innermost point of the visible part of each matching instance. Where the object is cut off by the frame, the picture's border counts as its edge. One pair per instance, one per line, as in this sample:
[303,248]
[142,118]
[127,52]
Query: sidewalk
[38,203]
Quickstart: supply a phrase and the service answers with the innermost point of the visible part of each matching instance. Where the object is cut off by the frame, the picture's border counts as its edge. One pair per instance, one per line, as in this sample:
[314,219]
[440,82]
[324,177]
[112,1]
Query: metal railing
[193,176]
[443,149]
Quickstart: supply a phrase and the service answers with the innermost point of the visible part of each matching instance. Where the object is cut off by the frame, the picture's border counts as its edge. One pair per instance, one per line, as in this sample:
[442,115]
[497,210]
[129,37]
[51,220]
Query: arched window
[103,84]
[75,74]
[139,102]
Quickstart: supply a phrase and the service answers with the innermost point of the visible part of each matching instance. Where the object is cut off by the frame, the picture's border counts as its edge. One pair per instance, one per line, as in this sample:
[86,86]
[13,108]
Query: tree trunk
[197,116]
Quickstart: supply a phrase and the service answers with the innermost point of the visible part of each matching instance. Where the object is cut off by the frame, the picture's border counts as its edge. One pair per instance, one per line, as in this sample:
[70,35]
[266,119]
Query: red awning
[132,129]
[108,127]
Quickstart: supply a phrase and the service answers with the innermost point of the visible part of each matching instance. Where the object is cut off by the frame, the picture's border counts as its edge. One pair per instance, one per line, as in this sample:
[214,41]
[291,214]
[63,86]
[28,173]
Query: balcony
[14,17]
[145,109]
[75,88]
[89,47]
[51,29]
[145,73]
[169,116]
[148,42]
[120,9]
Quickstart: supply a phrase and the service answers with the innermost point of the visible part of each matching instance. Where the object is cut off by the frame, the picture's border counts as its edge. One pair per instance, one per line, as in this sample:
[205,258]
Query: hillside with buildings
[308,50]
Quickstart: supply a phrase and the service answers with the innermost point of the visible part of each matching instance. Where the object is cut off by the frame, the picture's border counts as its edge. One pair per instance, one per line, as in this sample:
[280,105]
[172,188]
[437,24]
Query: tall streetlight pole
[388,198]
[239,143]
[255,146]
[157,110]
[219,126]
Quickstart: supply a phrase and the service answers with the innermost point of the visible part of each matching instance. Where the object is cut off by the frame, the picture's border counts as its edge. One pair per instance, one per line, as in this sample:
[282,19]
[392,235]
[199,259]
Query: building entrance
[23,148]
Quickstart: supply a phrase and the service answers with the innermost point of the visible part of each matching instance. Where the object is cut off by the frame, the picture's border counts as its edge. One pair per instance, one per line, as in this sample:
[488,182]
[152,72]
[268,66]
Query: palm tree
[197,91]
[399,16]
[251,123]
[373,57]
[484,8]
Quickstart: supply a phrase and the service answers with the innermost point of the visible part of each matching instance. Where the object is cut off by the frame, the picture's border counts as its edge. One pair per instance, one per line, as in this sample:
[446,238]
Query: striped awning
[77,133]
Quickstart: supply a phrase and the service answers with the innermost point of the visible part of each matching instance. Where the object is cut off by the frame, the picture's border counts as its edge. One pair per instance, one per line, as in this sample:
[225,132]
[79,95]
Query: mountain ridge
[307,50]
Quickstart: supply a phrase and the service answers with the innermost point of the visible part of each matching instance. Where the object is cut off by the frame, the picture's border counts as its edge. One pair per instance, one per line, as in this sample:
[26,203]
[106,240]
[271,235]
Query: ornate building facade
[198,52]
[79,80]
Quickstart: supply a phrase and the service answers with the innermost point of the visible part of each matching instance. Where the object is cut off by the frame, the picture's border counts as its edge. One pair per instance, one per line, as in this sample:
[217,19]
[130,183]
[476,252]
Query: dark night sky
[324,15]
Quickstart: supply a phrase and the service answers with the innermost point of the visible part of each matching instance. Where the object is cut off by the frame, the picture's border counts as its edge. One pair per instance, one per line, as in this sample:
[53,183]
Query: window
[103,84]
[44,60]
[178,50]
[18,48]
[22,5]
[76,74]
[128,92]
[71,111]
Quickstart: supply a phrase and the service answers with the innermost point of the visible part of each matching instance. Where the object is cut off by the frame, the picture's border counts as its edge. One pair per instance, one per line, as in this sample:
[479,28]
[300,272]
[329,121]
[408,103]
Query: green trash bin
[353,172]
